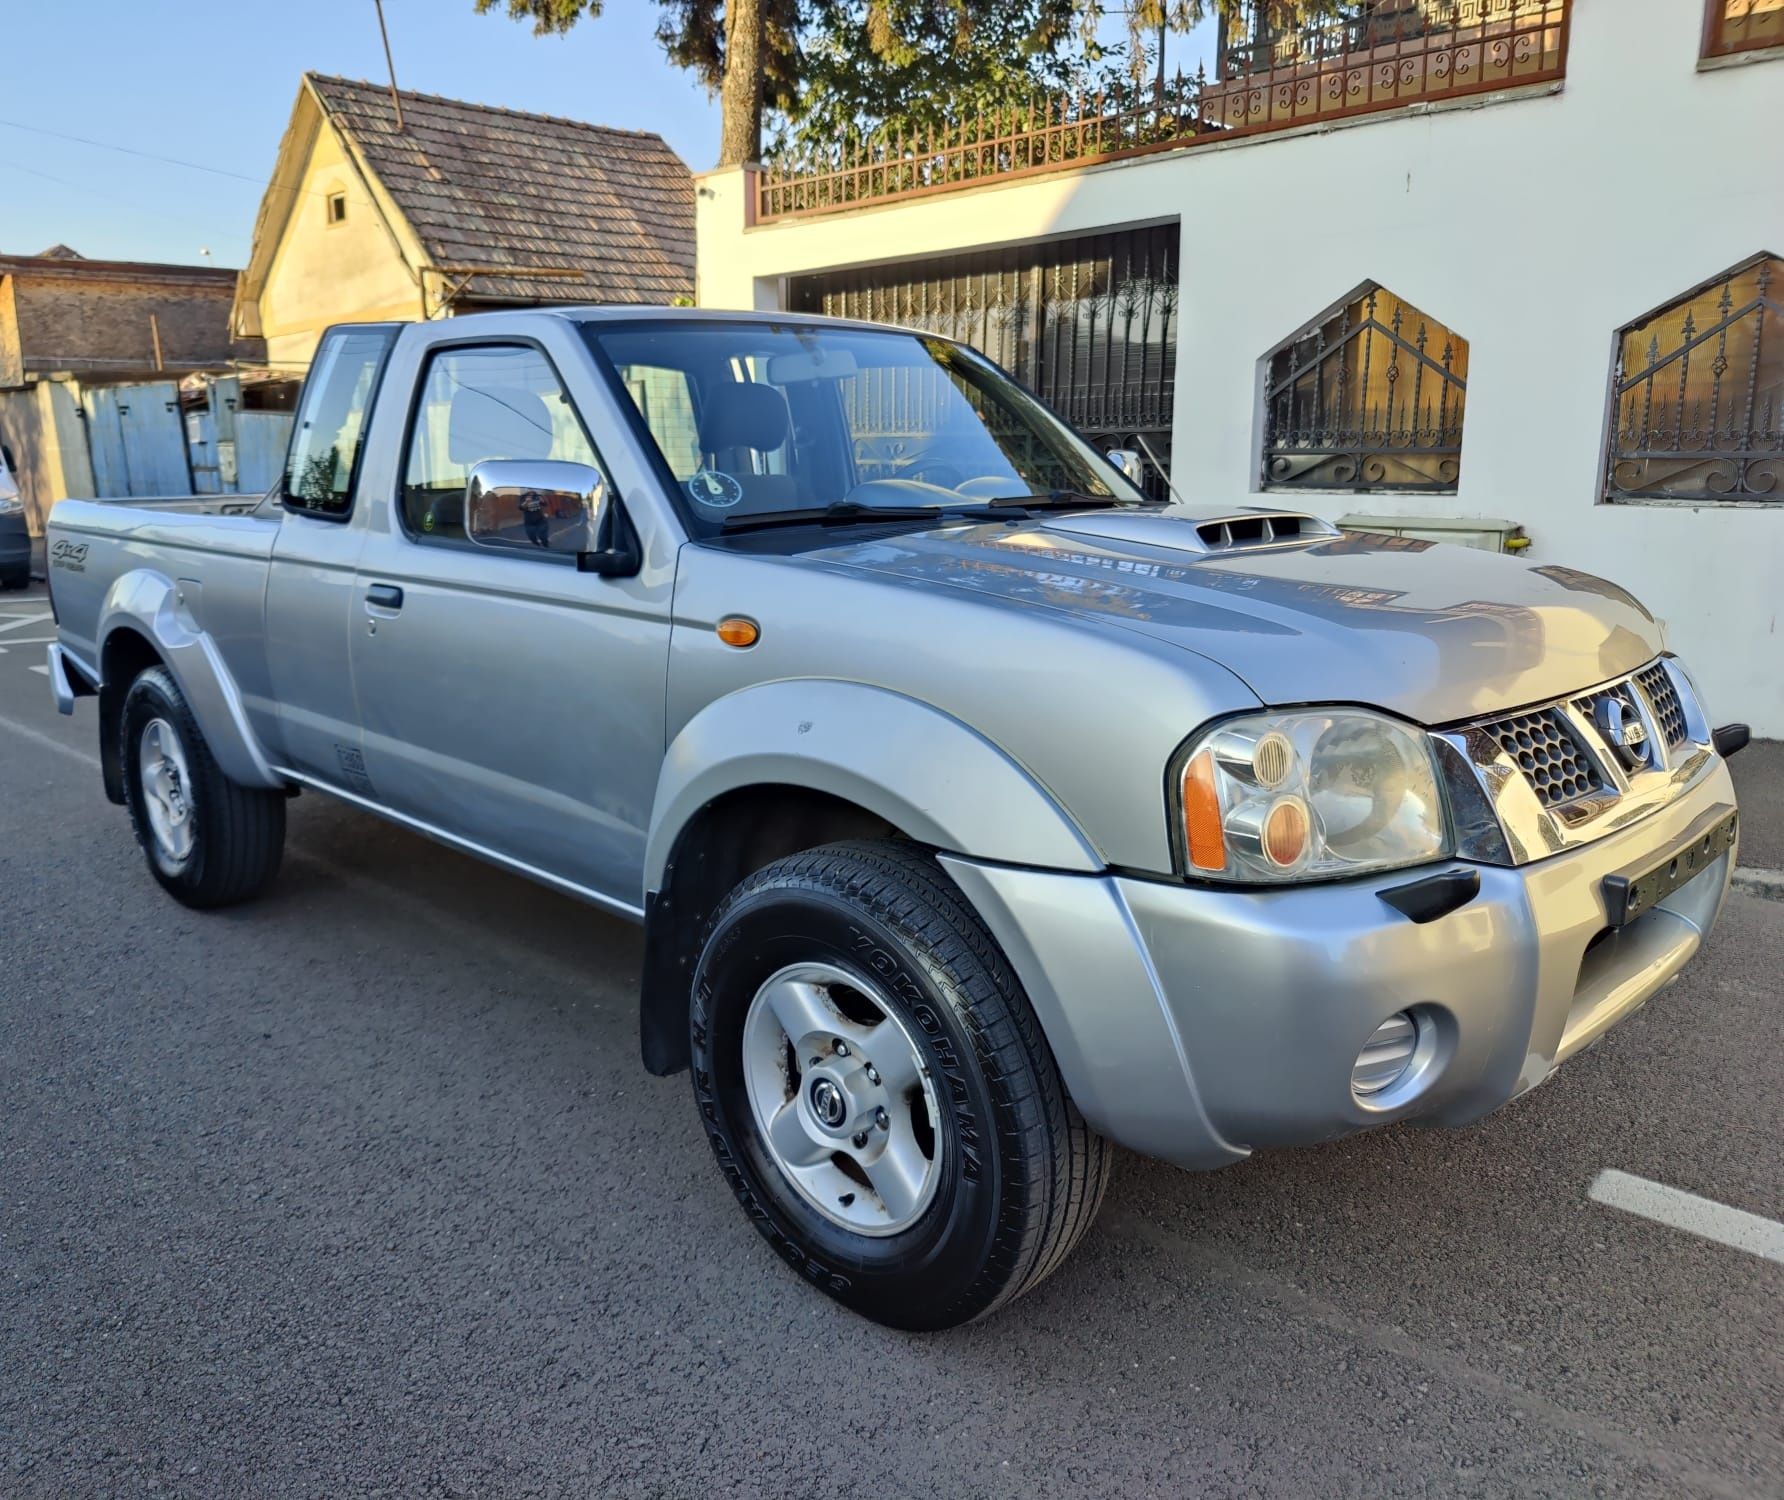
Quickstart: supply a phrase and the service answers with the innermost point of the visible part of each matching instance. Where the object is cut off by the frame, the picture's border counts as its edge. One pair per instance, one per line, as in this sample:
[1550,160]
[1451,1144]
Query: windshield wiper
[1058,500]
[853,513]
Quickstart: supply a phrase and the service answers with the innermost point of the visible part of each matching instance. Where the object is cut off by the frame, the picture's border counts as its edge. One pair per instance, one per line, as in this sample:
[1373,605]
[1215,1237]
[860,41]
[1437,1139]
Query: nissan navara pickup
[980,810]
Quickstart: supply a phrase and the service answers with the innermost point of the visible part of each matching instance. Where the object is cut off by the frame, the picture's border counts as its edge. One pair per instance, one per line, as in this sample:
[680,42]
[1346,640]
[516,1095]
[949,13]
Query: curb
[1766,883]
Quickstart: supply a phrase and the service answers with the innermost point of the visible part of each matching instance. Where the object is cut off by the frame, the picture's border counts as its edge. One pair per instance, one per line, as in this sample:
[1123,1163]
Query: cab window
[490,401]
[665,401]
[323,460]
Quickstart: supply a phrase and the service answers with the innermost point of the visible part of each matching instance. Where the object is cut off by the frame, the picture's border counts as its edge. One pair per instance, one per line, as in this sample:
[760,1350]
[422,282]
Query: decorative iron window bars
[1371,398]
[1698,394]
[1732,26]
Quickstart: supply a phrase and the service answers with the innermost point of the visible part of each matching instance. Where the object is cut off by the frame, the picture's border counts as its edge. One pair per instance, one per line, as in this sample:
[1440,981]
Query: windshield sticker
[714,490]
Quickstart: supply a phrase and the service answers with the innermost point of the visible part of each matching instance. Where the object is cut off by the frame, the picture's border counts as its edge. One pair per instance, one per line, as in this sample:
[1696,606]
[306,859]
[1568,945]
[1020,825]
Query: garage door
[1089,323]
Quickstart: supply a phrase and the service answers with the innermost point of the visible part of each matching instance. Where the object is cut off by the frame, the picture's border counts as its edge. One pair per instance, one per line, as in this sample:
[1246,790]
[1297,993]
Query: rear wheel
[209,841]
[878,1091]
[16,578]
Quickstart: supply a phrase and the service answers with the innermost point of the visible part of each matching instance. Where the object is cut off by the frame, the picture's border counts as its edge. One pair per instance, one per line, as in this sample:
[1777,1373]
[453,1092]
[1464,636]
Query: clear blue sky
[212,82]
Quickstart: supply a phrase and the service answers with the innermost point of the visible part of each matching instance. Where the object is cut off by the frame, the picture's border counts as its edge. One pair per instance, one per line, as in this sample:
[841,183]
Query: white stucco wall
[1534,226]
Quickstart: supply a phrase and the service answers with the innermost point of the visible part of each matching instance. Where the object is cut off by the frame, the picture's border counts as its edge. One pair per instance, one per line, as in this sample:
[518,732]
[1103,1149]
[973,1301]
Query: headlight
[1308,795]
[10,506]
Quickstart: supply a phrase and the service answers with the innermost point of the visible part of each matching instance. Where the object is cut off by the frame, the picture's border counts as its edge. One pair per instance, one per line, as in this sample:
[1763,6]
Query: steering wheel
[936,471]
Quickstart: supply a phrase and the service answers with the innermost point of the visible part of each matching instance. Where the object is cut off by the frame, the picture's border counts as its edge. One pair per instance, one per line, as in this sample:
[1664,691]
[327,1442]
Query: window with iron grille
[1698,394]
[1369,398]
[1732,26]
[1261,36]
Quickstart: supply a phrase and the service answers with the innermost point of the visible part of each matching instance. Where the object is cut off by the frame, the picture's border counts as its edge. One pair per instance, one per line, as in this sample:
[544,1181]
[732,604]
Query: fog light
[1386,1055]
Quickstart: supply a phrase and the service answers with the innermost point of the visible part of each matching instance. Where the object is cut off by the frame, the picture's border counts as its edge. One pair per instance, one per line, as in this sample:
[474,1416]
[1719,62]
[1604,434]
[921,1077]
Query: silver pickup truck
[979,810]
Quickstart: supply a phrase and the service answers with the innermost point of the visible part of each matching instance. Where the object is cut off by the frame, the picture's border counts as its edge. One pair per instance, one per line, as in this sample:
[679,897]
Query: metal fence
[1375,55]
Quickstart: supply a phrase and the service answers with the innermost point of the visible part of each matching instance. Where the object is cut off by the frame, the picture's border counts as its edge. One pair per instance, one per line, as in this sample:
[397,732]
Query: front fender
[924,771]
[152,605]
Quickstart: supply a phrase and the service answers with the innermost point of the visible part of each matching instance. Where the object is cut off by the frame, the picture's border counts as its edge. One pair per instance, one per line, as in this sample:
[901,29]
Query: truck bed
[214,555]
[205,505]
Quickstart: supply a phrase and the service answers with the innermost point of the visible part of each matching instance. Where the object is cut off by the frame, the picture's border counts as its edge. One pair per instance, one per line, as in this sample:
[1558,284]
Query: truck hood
[1436,633]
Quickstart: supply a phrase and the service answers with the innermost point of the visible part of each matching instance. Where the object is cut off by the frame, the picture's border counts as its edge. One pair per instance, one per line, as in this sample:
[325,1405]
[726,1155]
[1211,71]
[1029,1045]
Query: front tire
[878,1091]
[209,841]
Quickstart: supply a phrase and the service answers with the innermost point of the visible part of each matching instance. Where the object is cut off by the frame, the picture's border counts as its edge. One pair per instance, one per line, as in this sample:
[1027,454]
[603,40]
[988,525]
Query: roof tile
[490,187]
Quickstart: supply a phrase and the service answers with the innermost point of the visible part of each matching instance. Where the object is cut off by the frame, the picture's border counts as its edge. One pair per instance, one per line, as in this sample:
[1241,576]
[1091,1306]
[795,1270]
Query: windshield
[758,418]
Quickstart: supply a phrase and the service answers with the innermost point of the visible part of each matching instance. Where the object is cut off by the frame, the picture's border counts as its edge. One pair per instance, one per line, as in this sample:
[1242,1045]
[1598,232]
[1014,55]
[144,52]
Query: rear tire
[17,578]
[870,946]
[209,841]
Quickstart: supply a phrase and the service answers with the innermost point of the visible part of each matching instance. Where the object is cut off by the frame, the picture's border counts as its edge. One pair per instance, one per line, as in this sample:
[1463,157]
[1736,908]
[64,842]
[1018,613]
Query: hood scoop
[1184,530]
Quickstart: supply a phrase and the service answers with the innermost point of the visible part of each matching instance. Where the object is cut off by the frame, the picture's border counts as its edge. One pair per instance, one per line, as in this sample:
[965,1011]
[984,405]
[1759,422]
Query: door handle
[384,596]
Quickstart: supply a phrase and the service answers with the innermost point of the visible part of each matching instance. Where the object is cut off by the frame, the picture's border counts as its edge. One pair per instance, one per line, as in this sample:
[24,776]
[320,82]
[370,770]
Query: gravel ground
[362,1190]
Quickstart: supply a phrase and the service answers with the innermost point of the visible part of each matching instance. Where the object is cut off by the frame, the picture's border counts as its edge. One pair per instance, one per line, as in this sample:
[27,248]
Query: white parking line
[40,667]
[27,732]
[35,640]
[19,622]
[1677,1209]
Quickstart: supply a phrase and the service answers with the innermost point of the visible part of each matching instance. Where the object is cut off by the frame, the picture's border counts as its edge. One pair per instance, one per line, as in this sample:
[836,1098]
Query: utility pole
[390,63]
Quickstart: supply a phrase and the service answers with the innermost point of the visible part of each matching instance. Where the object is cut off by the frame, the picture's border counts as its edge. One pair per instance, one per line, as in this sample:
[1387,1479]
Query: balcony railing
[1377,55]
[1732,26]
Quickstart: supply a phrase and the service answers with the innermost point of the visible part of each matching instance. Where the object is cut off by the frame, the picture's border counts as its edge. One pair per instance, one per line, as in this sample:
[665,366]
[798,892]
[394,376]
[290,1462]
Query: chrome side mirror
[535,505]
[1129,461]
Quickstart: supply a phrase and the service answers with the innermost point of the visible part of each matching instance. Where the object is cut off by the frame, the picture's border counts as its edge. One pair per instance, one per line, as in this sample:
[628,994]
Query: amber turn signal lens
[1201,815]
[1285,832]
[734,630]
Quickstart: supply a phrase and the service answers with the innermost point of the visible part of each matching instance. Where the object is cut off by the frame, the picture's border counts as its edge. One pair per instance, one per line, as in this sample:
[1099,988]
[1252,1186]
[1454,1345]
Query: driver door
[509,701]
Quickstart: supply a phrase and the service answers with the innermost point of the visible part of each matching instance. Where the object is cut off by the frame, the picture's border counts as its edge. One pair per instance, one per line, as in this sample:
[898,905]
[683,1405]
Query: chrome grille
[1621,691]
[1589,775]
[1549,753]
[1657,683]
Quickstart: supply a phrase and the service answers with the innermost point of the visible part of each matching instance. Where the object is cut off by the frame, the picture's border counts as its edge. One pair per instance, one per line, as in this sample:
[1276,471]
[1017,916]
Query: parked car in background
[15,535]
[978,810]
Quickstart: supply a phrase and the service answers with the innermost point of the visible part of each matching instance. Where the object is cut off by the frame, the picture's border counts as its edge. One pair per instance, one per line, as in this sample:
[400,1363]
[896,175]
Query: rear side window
[323,460]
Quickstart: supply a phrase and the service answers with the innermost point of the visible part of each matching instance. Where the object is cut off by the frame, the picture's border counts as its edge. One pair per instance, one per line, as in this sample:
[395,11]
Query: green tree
[821,67]
[918,65]
[745,51]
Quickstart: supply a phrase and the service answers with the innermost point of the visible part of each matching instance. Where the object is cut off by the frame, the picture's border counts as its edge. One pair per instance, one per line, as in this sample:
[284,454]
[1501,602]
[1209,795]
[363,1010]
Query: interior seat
[742,421]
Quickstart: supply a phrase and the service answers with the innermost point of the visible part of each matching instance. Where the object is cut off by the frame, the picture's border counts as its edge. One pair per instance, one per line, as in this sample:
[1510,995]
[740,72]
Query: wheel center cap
[828,1104]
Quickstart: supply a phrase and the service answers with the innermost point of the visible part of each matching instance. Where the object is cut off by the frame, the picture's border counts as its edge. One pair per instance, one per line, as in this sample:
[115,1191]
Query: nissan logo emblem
[1623,730]
[828,1104]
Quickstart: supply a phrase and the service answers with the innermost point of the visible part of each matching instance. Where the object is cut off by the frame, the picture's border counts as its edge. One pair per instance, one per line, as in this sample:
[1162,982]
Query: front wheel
[878,1091]
[209,841]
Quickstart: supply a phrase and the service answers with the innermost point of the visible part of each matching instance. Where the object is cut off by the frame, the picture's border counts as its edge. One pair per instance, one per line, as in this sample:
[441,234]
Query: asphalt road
[361,1190]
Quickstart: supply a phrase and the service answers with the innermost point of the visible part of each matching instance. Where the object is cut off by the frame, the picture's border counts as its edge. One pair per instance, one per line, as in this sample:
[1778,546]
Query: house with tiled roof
[410,206]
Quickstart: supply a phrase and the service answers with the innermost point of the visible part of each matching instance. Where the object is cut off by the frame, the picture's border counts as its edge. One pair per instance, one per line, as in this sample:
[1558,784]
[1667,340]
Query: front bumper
[1193,1023]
